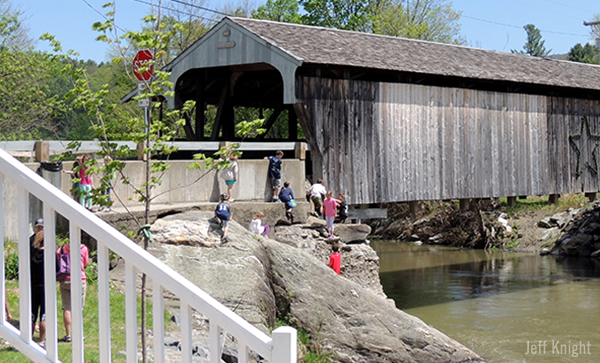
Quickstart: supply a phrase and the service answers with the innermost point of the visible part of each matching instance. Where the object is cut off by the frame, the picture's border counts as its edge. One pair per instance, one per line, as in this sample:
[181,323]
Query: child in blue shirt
[223,212]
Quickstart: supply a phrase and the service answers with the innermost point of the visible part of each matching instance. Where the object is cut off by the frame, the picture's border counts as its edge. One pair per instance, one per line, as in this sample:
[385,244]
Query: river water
[507,307]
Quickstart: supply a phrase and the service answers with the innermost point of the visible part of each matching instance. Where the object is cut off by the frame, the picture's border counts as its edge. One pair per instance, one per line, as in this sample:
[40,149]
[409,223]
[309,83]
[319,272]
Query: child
[275,173]
[287,196]
[329,210]
[335,260]
[317,193]
[256,226]
[86,184]
[223,212]
[230,175]
[342,214]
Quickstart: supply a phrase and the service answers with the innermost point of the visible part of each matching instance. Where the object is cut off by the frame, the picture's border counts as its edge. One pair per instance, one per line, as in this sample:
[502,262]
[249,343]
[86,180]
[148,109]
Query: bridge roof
[318,45]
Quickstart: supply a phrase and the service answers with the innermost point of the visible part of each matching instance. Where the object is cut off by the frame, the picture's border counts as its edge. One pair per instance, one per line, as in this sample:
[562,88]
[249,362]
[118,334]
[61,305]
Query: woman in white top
[230,175]
[256,226]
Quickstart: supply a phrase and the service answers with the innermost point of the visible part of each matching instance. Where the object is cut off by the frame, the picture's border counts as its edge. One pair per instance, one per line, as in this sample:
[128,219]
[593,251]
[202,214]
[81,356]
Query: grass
[536,204]
[90,315]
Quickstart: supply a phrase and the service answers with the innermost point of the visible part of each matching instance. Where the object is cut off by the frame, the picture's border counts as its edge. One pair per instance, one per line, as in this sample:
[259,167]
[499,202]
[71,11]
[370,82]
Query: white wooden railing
[280,348]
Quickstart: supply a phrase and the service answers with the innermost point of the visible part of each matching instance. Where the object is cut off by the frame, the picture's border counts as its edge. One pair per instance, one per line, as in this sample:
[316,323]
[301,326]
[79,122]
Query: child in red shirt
[335,260]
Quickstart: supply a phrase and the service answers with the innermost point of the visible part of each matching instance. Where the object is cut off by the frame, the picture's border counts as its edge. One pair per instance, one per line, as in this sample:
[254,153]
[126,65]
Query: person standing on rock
[342,211]
[275,173]
[335,260]
[38,303]
[223,212]
[329,210]
[230,175]
[317,194]
[287,197]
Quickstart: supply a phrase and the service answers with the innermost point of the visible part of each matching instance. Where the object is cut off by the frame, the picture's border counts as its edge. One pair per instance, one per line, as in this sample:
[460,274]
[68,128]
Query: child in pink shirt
[329,210]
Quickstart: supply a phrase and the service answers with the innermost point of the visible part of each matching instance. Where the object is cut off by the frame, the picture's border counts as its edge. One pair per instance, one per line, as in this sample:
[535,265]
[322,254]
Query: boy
[287,197]
[342,209]
[275,173]
[223,212]
[335,260]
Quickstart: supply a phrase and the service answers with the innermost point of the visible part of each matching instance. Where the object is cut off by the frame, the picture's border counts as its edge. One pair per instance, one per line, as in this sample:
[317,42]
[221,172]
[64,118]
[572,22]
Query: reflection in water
[499,304]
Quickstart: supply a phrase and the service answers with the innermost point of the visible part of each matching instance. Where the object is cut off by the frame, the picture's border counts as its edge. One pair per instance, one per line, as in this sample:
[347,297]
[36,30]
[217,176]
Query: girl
[329,210]
[256,226]
[86,184]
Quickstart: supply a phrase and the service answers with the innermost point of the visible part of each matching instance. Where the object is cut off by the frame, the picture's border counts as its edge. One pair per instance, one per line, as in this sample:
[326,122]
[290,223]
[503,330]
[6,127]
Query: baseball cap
[39,222]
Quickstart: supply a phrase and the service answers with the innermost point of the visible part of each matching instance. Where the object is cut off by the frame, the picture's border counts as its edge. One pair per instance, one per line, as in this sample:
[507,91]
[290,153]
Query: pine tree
[534,45]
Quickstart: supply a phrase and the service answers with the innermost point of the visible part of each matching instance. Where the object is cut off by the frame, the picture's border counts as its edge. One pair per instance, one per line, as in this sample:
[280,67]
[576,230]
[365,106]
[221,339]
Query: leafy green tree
[354,15]
[534,45]
[431,20]
[584,54]
[13,34]
[286,11]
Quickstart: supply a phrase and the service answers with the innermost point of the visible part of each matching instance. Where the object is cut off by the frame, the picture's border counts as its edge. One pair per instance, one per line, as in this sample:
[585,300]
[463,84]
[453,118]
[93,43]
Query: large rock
[259,277]
[350,321]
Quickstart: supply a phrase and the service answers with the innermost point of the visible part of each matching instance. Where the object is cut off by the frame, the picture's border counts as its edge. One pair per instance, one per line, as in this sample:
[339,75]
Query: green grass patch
[90,316]
[541,203]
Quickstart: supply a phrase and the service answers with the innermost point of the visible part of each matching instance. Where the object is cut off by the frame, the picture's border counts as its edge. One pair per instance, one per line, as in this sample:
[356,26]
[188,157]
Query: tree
[534,45]
[584,54]
[13,34]
[431,20]
[154,133]
[286,11]
[354,15]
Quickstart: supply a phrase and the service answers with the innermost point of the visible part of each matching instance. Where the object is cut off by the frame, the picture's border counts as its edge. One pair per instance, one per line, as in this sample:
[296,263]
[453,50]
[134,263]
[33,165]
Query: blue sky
[488,24]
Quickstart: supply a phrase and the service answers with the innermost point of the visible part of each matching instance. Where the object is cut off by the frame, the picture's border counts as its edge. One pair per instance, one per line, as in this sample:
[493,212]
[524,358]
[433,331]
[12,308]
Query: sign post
[142,69]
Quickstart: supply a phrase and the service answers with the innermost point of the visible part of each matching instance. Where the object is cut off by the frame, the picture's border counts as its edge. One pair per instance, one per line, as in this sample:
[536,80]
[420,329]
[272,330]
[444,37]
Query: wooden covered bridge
[391,119]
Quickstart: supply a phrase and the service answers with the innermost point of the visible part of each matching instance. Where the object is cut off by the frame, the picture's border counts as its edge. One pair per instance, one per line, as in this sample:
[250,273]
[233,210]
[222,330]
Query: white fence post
[285,345]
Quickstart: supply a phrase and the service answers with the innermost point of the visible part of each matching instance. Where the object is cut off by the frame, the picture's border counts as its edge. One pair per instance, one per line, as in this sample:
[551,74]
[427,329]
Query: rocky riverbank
[286,278]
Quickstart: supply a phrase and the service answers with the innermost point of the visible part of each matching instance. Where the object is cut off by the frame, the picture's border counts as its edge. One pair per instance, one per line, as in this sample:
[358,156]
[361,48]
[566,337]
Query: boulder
[349,321]
[349,233]
[346,315]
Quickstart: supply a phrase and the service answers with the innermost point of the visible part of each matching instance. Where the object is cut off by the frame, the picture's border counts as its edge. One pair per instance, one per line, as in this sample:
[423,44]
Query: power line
[521,27]
[201,7]
[178,11]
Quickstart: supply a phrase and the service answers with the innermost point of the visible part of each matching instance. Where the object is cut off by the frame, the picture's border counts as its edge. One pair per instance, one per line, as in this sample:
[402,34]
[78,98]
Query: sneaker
[231,200]
[42,344]
[66,339]
[224,239]
[107,209]
[274,199]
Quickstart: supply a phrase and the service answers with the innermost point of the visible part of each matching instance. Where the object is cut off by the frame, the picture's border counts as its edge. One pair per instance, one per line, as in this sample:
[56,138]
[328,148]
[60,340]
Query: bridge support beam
[553,198]
[511,201]
[412,207]
[464,204]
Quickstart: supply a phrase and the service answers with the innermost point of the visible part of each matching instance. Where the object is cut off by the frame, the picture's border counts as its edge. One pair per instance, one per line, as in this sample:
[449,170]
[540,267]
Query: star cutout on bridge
[584,137]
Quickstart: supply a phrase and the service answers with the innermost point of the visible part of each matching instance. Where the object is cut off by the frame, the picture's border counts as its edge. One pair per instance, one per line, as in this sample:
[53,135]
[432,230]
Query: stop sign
[140,60]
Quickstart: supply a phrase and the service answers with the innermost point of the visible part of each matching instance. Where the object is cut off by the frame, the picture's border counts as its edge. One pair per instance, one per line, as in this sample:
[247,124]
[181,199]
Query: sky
[488,24]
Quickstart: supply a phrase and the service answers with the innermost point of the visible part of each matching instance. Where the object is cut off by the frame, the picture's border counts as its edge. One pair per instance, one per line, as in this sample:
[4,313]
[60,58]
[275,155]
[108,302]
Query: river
[507,307]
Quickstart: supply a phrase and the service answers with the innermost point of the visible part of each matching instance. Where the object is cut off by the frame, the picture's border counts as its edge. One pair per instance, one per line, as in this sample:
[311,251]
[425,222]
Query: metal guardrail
[280,348]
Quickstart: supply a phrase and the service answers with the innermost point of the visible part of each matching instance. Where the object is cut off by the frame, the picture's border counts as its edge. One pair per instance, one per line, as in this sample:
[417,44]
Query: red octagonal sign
[140,60]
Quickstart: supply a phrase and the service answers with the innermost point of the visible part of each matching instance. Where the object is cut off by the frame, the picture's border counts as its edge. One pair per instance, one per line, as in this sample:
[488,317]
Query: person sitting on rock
[256,226]
[286,195]
[223,212]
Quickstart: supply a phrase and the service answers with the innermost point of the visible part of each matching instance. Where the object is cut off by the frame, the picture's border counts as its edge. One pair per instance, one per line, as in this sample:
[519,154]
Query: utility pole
[595,29]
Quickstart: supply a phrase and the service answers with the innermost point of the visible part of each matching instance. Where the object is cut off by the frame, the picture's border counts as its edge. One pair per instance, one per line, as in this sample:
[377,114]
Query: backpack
[63,266]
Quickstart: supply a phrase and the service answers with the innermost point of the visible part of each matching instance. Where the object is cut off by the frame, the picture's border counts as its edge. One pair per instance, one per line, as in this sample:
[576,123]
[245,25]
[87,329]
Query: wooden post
[300,150]
[42,151]
[522,197]
[412,207]
[140,151]
[590,196]
[226,144]
[464,204]
[511,201]
[553,198]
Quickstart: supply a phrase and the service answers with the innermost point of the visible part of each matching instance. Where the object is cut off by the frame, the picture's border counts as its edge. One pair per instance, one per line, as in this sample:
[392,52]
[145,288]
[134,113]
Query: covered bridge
[392,119]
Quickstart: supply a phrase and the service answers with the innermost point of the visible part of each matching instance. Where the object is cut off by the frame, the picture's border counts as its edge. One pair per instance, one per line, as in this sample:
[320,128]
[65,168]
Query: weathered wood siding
[383,142]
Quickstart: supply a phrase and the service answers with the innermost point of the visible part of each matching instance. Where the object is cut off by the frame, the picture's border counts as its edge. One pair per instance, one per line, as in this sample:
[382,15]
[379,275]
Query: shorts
[229,182]
[38,303]
[224,222]
[65,293]
[317,201]
[276,183]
